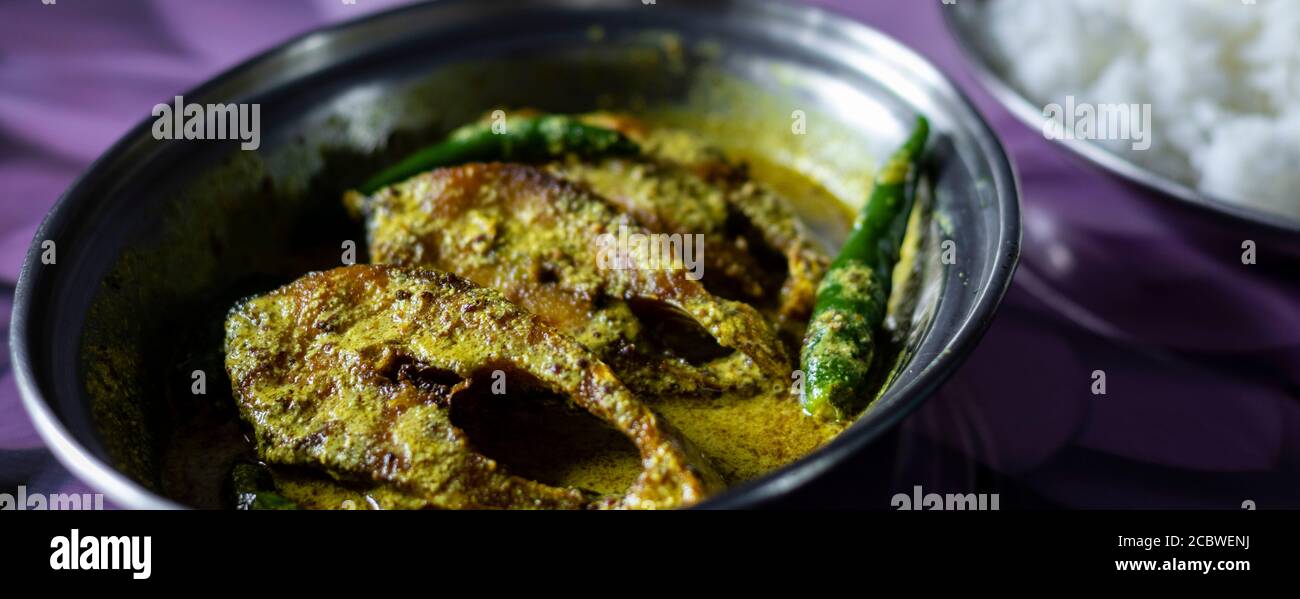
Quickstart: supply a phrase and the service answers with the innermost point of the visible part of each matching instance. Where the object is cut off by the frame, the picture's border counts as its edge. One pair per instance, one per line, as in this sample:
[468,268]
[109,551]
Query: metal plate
[962,20]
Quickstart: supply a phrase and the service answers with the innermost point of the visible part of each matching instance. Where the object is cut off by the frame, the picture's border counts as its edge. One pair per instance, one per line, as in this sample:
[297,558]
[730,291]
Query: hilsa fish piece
[538,240]
[354,372]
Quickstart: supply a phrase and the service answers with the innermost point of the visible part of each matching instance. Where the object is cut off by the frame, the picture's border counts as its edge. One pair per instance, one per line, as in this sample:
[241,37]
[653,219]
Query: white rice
[1222,78]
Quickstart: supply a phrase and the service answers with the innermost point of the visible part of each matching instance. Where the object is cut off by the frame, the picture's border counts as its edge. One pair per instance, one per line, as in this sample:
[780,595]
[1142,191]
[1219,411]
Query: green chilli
[523,139]
[852,297]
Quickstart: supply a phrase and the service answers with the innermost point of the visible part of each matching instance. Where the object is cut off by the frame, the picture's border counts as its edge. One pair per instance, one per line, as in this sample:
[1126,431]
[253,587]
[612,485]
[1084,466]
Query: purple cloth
[1202,353]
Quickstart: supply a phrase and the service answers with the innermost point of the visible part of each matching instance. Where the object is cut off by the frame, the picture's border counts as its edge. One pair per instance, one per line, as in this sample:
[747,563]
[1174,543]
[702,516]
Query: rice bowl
[1220,77]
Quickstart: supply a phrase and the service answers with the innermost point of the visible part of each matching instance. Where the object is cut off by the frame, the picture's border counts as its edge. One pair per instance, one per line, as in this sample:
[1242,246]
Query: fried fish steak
[355,371]
[545,244]
[755,248]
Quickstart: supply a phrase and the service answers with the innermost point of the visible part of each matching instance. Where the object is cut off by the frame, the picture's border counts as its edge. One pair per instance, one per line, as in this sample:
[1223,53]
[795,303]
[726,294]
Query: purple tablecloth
[1201,352]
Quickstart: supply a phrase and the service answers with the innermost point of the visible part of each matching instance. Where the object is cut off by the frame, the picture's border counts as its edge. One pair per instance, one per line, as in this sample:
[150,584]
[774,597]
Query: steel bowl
[962,20]
[159,237]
